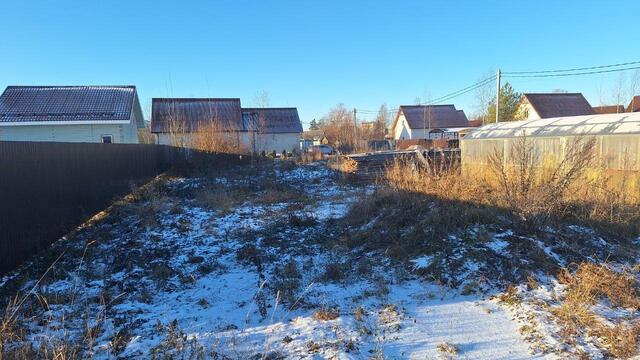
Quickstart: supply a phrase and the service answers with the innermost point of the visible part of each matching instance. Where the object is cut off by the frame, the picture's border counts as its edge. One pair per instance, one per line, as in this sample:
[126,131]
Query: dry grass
[448,348]
[570,188]
[588,285]
[326,314]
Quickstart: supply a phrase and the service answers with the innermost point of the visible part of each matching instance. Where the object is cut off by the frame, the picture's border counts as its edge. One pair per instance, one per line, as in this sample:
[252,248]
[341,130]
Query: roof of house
[609,109]
[313,134]
[29,104]
[586,125]
[559,104]
[634,104]
[188,114]
[275,120]
[432,116]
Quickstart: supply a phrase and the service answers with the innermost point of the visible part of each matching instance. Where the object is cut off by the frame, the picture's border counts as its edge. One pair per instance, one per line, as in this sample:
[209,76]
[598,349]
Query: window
[107,139]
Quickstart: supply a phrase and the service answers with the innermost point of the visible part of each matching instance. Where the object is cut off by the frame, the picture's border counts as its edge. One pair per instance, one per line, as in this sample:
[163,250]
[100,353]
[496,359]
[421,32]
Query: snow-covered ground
[180,274]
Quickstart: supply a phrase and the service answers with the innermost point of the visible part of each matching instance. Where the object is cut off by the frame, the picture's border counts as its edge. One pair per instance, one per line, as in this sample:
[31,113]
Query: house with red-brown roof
[609,109]
[551,105]
[634,104]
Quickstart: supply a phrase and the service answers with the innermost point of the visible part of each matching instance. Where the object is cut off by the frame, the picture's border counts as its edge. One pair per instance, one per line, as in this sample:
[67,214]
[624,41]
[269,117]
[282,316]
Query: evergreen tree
[509,104]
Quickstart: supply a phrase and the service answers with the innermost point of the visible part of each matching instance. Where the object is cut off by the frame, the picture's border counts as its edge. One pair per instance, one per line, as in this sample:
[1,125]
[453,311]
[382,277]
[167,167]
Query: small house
[276,128]
[552,105]
[90,114]
[185,121]
[430,122]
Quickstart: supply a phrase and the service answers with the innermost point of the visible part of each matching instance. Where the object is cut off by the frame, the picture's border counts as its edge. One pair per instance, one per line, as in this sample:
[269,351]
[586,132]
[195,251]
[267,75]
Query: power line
[462,91]
[574,69]
[572,74]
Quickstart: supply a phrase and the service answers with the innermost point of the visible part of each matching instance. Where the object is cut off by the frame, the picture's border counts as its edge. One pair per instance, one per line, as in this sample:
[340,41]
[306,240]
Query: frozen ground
[245,265]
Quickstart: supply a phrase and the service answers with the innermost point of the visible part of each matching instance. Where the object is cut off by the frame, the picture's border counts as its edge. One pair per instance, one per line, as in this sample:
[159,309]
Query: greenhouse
[617,139]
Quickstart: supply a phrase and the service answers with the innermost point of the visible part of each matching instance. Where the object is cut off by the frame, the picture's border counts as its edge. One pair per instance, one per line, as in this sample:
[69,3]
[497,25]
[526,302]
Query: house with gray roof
[550,105]
[175,121]
[428,122]
[92,114]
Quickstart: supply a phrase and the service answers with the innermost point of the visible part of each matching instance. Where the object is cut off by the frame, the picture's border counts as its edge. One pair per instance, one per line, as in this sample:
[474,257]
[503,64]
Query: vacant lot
[284,261]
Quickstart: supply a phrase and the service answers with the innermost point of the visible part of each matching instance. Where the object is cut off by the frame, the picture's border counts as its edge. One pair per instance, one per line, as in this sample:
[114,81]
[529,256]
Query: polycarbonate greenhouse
[617,139]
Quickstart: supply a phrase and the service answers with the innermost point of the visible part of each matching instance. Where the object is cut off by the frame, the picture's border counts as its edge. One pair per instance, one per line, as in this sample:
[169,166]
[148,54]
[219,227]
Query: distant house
[634,104]
[609,109]
[92,114]
[277,128]
[175,121]
[543,106]
[429,122]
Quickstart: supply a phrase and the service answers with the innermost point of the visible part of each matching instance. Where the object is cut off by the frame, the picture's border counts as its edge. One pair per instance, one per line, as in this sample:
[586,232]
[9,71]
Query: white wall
[121,133]
[402,130]
[262,142]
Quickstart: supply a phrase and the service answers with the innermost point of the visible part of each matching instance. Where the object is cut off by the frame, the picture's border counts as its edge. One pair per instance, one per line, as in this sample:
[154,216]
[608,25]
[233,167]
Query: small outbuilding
[89,114]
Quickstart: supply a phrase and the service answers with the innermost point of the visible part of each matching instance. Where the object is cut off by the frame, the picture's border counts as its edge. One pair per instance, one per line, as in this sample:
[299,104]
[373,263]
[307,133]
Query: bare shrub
[211,137]
[533,190]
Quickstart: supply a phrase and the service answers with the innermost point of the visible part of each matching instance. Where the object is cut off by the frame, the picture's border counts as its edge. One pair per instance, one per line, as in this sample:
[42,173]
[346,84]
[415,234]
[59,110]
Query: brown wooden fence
[48,189]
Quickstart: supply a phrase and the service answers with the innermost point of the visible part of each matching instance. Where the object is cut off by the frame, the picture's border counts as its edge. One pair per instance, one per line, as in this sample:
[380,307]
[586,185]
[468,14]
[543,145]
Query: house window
[107,139]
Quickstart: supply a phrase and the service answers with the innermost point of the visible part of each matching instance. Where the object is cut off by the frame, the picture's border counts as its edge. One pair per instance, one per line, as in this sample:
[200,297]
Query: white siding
[262,142]
[402,130]
[121,133]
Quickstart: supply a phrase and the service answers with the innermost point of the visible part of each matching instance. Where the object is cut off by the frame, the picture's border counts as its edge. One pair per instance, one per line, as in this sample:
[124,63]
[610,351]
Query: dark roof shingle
[609,109]
[187,114]
[433,116]
[634,104]
[275,120]
[66,103]
[559,104]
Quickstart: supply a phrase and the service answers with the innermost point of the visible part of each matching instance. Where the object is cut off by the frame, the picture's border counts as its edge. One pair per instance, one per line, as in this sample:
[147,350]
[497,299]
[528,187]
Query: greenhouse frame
[617,139]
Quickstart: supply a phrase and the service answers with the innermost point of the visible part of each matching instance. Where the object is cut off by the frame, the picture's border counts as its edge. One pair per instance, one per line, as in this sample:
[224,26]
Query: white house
[175,121]
[93,114]
[535,106]
[428,122]
[276,128]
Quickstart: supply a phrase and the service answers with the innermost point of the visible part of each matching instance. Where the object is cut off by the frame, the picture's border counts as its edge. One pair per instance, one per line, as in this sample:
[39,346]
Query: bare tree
[484,95]
[262,99]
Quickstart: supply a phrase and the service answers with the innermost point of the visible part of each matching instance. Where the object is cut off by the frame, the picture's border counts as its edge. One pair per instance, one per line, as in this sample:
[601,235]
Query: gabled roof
[77,104]
[188,114]
[634,104]
[609,109]
[558,104]
[432,116]
[275,120]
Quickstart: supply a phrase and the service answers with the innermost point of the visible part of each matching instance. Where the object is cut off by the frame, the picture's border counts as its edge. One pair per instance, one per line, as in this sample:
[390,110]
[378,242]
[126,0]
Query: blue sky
[314,54]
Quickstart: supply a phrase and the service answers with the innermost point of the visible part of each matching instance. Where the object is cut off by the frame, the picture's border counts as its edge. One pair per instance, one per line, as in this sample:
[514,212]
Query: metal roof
[21,104]
[276,120]
[559,104]
[187,114]
[432,116]
[609,109]
[587,125]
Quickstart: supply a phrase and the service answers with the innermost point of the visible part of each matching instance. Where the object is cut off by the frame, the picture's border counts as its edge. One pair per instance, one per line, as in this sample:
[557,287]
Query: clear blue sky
[313,54]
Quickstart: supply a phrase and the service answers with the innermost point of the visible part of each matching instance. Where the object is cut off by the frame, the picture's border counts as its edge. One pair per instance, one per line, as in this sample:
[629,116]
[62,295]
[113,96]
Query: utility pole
[498,96]
[355,129]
